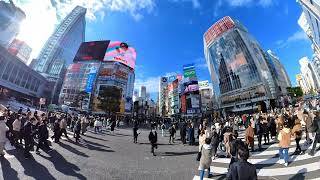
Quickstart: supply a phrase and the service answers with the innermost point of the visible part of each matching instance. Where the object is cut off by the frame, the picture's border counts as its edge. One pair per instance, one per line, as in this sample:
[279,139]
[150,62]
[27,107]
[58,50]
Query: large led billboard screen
[94,50]
[121,52]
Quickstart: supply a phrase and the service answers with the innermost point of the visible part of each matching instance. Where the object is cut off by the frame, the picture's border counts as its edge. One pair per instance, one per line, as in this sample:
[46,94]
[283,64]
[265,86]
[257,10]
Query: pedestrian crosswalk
[268,165]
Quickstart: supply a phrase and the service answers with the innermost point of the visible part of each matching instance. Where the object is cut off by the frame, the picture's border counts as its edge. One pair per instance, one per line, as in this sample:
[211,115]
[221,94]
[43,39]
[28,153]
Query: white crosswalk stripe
[267,162]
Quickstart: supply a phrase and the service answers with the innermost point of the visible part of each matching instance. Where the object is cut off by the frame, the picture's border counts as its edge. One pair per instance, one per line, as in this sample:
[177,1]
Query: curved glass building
[241,77]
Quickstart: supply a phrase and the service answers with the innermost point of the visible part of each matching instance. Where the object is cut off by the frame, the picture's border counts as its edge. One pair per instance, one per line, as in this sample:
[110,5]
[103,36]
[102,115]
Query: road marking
[277,171]
[269,160]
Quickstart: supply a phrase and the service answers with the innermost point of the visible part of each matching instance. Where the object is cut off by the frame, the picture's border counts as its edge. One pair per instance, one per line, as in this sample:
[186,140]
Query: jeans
[283,152]
[266,137]
[171,139]
[202,173]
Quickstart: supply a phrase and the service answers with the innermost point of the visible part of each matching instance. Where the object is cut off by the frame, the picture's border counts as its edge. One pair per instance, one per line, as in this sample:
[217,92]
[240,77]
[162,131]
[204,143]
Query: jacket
[43,132]
[3,130]
[153,138]
[202,140]
[284,138]
[206,156]
[297,131]
[242,170]
[249,135]
[16,125]
[63,124]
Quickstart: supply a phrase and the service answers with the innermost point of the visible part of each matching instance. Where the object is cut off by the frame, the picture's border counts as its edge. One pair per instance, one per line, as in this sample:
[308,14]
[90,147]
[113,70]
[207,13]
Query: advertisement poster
[195,101]
[121,52]
[91,79]
[94,50]
[189,73]
[183,104]
[203,84]
[172,78]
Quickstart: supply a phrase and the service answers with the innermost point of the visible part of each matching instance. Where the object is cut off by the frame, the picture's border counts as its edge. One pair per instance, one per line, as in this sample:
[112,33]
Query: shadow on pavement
[86,135]
[299,175]
[33,168]
[72,149]
[95,144]
[8,173]
[62,165]
[178,153]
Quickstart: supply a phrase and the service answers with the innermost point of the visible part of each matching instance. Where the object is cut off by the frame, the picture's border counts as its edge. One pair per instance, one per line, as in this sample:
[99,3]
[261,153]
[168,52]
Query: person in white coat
[3,130]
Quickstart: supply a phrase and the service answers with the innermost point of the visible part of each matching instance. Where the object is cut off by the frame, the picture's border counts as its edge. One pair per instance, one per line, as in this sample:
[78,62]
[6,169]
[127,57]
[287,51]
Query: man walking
[43,136]
[63,128]
[28,140]
[172,131]
[153,138]
[3,130]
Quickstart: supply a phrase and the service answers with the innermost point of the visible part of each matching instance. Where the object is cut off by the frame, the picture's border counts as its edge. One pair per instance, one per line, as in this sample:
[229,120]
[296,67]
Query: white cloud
[295,37]
[195,3]
[48,13]
[240,3]
[201,63]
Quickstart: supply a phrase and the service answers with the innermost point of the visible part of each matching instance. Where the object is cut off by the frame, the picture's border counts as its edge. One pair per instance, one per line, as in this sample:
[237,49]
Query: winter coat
[284,138]
[249,136]
[308,121]
[242,170]
[63,124]
[206,156]
[202,140]
[16,125]
[43,132]
[297,131]
[3,130]
[215,139]
[153,138]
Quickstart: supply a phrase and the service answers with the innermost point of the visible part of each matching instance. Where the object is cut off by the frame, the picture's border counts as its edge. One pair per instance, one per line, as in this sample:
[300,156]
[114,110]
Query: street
[116,157]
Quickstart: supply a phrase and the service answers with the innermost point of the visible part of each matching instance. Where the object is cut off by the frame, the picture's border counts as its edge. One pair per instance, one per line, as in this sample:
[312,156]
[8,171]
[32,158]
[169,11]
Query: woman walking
[284,144]
[206,158]
[297,133]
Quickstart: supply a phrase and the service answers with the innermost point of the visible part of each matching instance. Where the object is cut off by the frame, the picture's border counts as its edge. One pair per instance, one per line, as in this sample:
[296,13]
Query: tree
[295,91]
[110,100]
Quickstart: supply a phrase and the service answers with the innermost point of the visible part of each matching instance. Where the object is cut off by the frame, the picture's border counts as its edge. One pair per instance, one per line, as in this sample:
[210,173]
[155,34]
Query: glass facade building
[10,19]
[237,65]
[60,49]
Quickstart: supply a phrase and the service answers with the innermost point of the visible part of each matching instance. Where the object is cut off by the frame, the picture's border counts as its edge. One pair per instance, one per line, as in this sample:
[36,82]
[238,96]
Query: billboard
[94,50]
[91,79]
[189,73]
[172,78]
[203,84]
[121,52]
[218,28]
[188,66]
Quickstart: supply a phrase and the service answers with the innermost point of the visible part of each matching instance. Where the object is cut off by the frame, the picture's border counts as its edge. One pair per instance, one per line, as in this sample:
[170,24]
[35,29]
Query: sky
[169,33]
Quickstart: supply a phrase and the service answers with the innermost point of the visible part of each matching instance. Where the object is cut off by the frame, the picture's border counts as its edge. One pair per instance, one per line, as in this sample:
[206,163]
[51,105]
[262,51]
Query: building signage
[189,73]
[203,84]
[172,78]
[218,28]
[90,82]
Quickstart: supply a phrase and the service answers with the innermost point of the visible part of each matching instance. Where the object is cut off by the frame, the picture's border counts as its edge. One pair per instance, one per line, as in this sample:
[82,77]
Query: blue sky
[169,33]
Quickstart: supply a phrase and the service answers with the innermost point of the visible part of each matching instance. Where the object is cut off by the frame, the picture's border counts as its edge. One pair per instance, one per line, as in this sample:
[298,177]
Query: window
[24,79]
[7,71]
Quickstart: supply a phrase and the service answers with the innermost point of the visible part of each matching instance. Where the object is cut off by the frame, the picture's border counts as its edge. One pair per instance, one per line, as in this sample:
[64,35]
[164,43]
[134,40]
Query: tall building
[278,72]
[10,18]
[310,20]
[20,49]
[163,83]
[143,93]
[99,66]
[309,77]
[236,60]
[60,49]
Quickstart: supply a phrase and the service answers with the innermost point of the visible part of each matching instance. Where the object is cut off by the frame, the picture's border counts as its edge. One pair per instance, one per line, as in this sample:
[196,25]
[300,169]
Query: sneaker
[285,164]
[281,161]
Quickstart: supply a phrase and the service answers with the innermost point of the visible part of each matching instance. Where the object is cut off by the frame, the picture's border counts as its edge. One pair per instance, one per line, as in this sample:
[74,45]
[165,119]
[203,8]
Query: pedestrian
[316,130]
[153,138]
[202,139]
[96,125]
[3,131]
[214,141]
[163,128]
[84,124]
[28,138]
[242,169]
[259,132]
[16,130]
[297,133]
[249,137]
[272,127]
[308,126]
[43,135]
[206,158]
[63,128]
[284,144]
[172,132]
[235,144]
[265,131]
[113,125]
[135,132]
[183,132]
[77,130]
[56,131]
[227,138]
[191,134]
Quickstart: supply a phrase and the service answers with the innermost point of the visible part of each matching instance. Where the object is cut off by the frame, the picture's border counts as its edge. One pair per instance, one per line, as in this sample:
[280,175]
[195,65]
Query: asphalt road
[116,157]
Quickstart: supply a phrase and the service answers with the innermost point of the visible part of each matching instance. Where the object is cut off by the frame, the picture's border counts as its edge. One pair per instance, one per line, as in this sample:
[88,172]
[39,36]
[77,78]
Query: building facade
[20,49]
[20,81]
[143,93]
[309,76]
[163,83]
[310,21]
[10,18]
[235,60]
[60,49]
[278,72]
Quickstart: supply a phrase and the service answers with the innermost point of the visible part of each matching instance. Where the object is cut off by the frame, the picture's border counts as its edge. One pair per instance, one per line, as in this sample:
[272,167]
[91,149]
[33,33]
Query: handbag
[199,154]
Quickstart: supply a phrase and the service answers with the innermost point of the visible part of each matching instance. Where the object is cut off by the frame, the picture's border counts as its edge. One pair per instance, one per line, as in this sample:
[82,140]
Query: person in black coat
[153,138]
[113,125]
[242,169]
[77,130]
[28,138]
[214,141]
[259,130]
[43,135]
[235,144]
[183,132]
[135,132]
[56,131]
[191,134]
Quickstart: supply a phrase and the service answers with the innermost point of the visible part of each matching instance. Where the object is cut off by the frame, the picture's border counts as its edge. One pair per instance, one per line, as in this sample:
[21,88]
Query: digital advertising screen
[94,50]
[121,52]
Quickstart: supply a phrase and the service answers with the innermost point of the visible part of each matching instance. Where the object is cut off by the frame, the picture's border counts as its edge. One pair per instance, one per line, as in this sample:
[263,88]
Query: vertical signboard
[183,104]
[91,79]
